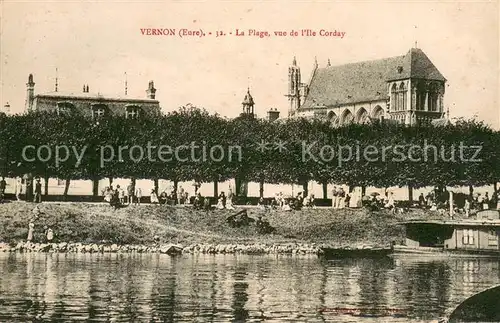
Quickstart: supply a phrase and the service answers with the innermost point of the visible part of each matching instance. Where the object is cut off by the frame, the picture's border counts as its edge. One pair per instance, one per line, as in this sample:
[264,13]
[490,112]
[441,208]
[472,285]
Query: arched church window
[401,97]
[393,98]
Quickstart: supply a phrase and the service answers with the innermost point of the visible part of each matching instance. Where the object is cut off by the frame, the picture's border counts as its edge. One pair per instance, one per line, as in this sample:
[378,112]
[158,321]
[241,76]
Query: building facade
[93,105]
[407,89]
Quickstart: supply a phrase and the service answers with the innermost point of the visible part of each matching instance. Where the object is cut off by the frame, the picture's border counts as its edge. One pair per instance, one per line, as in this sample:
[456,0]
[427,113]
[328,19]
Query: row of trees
[287,151]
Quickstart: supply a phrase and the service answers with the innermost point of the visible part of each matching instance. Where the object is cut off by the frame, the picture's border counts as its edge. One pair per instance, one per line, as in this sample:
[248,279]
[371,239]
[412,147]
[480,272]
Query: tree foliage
[272,152]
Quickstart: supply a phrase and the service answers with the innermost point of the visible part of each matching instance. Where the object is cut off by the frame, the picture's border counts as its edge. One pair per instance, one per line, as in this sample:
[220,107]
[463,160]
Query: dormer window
[98,111]
[132,112]
[65,108]
[400,69]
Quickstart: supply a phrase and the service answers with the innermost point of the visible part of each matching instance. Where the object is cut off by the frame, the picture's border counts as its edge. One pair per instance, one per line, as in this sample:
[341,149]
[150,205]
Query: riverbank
[149,228]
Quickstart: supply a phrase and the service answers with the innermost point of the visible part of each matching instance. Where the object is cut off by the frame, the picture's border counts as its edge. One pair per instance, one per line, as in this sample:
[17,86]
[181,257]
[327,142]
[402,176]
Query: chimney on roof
[6,108]
[87,89]
[151,91]
[273,114]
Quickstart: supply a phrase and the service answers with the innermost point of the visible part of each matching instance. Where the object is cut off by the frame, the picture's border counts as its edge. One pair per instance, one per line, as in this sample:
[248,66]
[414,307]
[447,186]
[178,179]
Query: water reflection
[157,288]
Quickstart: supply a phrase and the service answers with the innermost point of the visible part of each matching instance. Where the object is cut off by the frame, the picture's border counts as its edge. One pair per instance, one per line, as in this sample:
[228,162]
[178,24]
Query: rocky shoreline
[170,249]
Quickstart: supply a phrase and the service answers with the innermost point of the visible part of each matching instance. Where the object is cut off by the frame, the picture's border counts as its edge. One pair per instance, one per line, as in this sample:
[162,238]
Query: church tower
[30,93]
[294,83]
[248,104]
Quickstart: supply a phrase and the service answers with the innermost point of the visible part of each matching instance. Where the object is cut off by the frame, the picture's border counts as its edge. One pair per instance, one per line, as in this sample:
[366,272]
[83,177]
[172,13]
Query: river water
[225,288]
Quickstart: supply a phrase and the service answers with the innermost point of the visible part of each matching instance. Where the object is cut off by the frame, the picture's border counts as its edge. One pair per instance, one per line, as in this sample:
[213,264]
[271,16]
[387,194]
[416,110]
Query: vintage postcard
[249,161]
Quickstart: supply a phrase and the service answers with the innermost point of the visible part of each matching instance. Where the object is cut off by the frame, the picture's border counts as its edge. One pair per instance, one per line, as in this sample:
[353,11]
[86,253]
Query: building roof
[91,96]
[366,81]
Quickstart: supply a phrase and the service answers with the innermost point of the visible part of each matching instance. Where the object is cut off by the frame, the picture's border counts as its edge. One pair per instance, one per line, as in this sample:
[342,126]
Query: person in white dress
[19,188]
[138,196]
[154,197]
[31,229]
[229,203]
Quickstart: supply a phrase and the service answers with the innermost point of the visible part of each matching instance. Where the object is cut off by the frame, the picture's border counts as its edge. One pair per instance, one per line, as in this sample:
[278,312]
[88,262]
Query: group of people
[340,199]
[120,196]
[19,191]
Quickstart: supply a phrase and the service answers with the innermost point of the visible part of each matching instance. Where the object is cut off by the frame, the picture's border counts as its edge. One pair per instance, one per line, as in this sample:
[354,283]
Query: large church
[407,89]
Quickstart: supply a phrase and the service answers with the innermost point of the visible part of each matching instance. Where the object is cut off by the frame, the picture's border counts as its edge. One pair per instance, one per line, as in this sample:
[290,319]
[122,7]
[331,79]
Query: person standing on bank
[138,196]
[50,235]
[31,228]
[19,188]
[38,192]
[130,193]
[3,185]
[334,197]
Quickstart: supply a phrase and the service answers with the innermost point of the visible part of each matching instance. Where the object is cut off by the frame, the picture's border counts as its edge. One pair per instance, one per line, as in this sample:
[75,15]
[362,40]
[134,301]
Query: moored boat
[479,236]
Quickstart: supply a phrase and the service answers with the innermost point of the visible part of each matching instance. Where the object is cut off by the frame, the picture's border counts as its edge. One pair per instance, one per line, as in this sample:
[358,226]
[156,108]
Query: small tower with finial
[126,84]
[56,87]
[30,93]
[328,64]
[248,104]
[151,91]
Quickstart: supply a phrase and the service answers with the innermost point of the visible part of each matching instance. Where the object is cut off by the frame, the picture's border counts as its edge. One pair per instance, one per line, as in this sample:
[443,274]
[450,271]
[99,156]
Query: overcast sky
[96,43]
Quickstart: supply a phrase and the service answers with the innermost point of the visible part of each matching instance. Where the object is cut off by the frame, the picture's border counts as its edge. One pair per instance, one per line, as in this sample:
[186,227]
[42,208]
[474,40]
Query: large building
[408,89]
[92,104]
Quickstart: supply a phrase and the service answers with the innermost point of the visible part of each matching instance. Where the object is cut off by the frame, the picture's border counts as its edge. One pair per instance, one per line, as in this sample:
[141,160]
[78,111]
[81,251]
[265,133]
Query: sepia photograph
[249,161]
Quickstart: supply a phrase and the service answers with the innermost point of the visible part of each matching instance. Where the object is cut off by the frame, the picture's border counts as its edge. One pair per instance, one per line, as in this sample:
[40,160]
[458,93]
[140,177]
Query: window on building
[66,108]
[402,97]
[394,97]
[468,237]
[132,112]
[492,238]
[98,111]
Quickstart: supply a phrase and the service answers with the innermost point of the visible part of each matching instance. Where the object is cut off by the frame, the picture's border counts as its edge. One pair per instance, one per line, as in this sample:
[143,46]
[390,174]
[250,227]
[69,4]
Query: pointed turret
[30,93]
[248,103]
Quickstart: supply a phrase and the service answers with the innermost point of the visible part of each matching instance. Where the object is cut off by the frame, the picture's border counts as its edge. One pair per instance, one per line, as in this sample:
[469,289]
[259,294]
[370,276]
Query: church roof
[367,81]
[90,96]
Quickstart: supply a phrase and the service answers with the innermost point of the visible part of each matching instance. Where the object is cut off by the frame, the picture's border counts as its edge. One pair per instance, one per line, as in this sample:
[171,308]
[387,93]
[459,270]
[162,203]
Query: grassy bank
[87,223]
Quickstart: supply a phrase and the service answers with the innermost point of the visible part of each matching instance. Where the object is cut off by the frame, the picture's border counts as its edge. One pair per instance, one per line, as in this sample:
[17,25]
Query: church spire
[294,63]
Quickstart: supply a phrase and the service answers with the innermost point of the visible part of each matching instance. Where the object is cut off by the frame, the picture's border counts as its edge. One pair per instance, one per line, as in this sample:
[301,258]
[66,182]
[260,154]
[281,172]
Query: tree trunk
[410,194]
[305,189]
[66,187]
[110,181]
[261,188]
[363,190]
[46,185]
[325,190]
[95,187]
[216,188]
[29,187]
[495,186]
[156,185]
[471,191]
[237,188]
[132,181]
